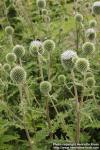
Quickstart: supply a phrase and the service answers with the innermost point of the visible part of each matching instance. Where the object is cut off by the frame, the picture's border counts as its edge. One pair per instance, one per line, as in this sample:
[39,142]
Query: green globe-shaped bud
[87,4]
[18,74]
[41,4]
[62,79]
[89,74]
[66,59]
[82,65]
[90,82]
[19,51]
[45,87]
[11,58]
[88,48]
[93,23]
[91,34]
[96,8]
[35,48]
[9,30]
[6,67]
[78,17]
[44,11]
[49,45]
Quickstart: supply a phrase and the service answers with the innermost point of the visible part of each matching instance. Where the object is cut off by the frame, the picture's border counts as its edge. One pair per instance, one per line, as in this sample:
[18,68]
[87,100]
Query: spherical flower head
[18,75]
[45,87]
[19,51]
[11,58]
[6,67]
[96,8]
[49,45]
[92,23]
[90,82]
[66,59]
[36,47]
[62,79]
[9,30]
[79,17]
[41,4]
[88,48]
[82,65]
[44,11]
[91,34]
[89,74]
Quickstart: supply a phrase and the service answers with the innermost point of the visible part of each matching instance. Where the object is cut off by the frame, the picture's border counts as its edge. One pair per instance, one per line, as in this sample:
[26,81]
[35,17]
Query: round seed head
[82,65]
[96,8]
[44,11]
[90,82]
[66,59]
[89,74]
[19,51]
[61,79]
[9,30]
[18,74]
[78,17]
[36,47]
[41,4]
[10,57]
[45,87]
[92,23]
[88,48]
[91,34]
[49,45]
[6,67]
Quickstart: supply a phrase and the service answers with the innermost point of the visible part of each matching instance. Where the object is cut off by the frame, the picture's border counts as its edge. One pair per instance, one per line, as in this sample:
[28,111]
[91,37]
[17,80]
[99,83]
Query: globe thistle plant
[88,48]
[41,4]
[44,11]
[82,65]
[9,30]
[89,74]
[90,82]
[18,75]
[45,87]
[91,34]
[92,23]
[6,67]
[11,58]
[79,17]
[96,8]
[62,79]
[66,59]
[19,51]
[49,45]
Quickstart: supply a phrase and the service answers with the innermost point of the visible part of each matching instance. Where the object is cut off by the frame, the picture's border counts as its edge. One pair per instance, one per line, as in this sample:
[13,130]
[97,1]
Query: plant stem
[24,118]
[49,66]
[40,67]
[77,109]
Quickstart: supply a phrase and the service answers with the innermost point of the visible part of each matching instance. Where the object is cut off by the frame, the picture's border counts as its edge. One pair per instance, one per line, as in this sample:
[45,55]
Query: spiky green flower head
[11,58]
[18,75]
[90,82]
[62,79]
[79,17]
[44,11]
[35,48]
[45,87]
[96,8]
[88,48]
[41,4]
[91,34]
[6,67]
[9,30]
[82,65]
[19,51]
[66,59]
[89,74]
[93,23]
[49,45]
